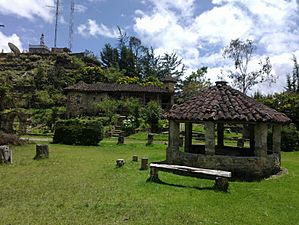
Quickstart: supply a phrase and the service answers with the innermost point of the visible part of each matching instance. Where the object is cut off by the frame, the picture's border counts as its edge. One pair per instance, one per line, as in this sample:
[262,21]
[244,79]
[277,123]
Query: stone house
[217,107]
[82,97]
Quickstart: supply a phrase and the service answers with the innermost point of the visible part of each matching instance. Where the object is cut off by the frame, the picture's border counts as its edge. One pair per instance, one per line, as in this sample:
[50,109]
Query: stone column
[210,138]
[173,140]
[260,139]
[188,136]
[220,134]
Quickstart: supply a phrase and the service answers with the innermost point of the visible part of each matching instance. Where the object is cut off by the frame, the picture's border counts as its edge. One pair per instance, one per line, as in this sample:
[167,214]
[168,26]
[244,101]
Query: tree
[149,63]
[194,83]
[93,74]
[170,64]
[152,115]
[109,107]
[109,56]
[293,81]
[241,52]
[286,102]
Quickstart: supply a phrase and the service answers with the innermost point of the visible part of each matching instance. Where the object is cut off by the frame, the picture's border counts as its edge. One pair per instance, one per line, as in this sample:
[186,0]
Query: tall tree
[293,80]
[109,56]
[170,64]
[241,52]
[195,82]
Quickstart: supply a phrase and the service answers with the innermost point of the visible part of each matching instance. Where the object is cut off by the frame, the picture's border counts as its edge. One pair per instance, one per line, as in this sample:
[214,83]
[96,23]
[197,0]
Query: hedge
[78,132]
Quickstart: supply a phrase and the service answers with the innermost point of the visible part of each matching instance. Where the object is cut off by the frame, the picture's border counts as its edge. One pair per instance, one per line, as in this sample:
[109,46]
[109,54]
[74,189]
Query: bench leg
[153,175]
[221,184]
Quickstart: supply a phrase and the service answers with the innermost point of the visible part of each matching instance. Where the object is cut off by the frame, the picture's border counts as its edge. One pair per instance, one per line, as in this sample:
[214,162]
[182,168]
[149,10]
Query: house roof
[221,102]
[113,87]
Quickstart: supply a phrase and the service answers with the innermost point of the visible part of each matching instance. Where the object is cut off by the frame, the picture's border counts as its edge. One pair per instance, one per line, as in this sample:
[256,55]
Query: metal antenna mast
[71,31]
[56,22]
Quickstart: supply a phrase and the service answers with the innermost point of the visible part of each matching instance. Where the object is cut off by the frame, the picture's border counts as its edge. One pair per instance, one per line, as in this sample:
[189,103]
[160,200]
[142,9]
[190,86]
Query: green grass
[81,185]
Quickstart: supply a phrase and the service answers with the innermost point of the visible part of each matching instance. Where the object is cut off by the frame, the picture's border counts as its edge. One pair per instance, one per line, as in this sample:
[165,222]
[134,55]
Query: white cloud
[29,9]
[15,39]
[94,29]
[199,38]
[80,8]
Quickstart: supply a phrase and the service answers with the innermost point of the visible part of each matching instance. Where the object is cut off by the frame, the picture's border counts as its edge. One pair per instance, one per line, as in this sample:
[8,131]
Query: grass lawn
[81,185]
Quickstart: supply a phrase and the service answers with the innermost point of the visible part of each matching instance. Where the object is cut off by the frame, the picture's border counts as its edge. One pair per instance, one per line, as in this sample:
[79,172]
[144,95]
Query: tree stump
[120,162]
[5,154]
[144,164]
[42,151]
[221,184]
[135,158]
[150,139]
[240,143]
[121,140]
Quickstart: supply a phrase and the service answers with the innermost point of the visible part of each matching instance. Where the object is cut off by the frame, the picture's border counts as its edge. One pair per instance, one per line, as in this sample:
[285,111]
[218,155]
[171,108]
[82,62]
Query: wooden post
[154,175]
[42,151]
[5,154]
[121,139]
[150,139]
[135,158]
[120,162]
[144,164]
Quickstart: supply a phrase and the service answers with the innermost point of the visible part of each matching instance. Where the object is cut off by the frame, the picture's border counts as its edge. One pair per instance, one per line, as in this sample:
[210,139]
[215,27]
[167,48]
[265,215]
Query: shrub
[78,132]
[152,115]
[289,139]
[13,139]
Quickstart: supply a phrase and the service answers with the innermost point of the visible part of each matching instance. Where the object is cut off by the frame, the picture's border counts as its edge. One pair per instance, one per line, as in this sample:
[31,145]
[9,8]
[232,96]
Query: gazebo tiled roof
[223,103]
[113,87]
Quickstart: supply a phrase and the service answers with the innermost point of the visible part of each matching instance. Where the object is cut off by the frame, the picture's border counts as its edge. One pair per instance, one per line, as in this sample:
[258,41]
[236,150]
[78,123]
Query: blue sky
[197,30]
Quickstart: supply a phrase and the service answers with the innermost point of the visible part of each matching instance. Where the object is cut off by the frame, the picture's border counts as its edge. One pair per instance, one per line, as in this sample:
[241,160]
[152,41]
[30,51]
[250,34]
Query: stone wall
[245,168]
[7,122]
[79,103]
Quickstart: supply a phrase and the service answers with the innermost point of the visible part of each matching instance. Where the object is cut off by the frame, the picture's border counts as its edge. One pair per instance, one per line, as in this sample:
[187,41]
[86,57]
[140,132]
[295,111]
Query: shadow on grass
[183,186]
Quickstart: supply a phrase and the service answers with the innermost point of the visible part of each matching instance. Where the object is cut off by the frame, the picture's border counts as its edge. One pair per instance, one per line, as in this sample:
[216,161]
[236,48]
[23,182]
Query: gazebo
[216,108]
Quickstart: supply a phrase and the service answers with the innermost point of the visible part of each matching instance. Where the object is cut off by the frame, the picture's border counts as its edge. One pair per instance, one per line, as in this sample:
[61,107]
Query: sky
[197,30]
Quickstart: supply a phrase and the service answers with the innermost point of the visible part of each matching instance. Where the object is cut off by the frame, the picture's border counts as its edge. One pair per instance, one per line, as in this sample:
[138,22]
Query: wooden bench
[220,176]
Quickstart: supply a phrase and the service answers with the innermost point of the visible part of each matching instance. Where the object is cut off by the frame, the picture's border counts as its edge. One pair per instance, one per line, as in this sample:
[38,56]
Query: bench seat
[221,177]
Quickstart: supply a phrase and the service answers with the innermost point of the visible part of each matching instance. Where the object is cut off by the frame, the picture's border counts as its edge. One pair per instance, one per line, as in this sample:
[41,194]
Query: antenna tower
[56,22]
[71,31]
